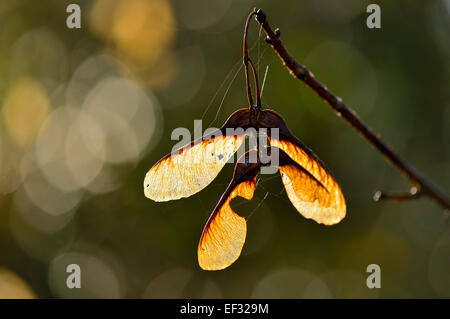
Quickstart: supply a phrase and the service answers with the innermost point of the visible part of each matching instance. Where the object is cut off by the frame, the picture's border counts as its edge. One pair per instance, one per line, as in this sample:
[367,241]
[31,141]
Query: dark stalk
[247,61]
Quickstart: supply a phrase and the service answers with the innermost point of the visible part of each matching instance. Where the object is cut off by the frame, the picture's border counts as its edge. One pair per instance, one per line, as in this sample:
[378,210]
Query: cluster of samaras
[311,188]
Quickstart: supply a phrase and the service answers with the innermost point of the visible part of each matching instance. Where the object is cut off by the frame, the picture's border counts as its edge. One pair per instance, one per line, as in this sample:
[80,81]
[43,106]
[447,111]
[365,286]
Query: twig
[413,193]
[300,72]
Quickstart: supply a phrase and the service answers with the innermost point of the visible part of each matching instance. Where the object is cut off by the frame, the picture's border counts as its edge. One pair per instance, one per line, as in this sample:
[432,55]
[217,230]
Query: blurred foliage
[86,112]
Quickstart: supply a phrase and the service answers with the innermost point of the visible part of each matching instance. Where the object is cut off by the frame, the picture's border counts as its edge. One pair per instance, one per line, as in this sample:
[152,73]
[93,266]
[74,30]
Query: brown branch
[413,193]
[300,72]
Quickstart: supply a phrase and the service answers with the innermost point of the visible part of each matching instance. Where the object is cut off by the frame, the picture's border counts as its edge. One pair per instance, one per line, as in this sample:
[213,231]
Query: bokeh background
[86,112]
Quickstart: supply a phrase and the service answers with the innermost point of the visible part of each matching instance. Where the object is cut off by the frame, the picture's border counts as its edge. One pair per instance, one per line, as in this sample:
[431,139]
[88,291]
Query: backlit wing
[224,234]
[191,168]
[310,187]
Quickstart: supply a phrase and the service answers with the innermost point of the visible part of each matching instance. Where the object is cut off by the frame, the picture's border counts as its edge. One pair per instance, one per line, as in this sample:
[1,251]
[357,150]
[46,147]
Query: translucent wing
[224,234]
[310,187]
[191,168]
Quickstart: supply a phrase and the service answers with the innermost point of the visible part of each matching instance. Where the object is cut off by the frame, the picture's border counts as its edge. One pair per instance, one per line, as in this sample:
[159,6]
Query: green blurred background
[86,112]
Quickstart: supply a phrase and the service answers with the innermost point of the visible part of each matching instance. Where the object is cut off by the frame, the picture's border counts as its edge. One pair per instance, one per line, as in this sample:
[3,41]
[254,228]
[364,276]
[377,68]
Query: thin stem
[302,73]
[247,61]
[264,80]
[255,78]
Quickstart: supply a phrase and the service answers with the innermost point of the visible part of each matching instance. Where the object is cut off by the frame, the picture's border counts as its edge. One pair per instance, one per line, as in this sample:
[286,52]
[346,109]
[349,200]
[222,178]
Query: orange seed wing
[310,187]
[224,234]
[189,169]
